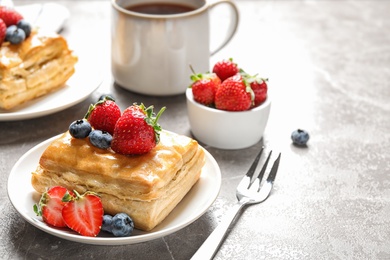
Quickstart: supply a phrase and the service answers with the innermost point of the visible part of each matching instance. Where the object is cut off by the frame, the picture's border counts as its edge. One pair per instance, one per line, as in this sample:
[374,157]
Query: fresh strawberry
[225,69]
[10,16]
[50,206]
[83,213]
[204,87]
[260,89]
[103,115]
[234,94]
[137,130]
[3,29]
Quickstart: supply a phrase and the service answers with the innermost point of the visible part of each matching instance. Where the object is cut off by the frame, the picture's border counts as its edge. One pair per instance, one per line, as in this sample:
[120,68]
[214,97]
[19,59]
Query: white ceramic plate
[193,205]
[47,16]
[79,86]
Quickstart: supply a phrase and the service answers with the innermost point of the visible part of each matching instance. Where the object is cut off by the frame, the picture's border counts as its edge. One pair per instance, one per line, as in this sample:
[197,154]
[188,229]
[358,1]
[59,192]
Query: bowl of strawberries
[228,108]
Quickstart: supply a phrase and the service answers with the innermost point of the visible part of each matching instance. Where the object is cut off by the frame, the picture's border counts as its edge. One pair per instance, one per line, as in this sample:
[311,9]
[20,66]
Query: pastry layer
[40,64]
[147,187]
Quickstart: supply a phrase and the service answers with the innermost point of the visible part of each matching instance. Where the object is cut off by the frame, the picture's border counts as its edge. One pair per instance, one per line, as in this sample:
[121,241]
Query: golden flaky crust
[39,65]
[147,187]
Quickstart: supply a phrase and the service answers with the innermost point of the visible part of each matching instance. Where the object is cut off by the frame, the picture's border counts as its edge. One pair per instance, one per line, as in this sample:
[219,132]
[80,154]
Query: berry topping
[225,69]
[122,225]
[137,130]
[100,139]
[106,96]
[9,15]
[204,87]
[25,26]
[83,213]
[300,137]
[14,35]
[3,29]
[80,128]
[234,95]
[50,206]
[104,114]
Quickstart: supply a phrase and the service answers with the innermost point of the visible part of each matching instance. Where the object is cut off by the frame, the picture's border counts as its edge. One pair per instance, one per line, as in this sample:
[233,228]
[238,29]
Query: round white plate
[193,205]
[79,86]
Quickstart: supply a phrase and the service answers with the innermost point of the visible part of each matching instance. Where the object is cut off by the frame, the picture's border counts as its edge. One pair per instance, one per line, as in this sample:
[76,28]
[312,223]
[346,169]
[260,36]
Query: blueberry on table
[80,128]
[122,225]
[300,137]
[100,139]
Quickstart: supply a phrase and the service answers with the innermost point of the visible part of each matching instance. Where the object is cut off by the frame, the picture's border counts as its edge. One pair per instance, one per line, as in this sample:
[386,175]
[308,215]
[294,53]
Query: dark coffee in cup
[160,8]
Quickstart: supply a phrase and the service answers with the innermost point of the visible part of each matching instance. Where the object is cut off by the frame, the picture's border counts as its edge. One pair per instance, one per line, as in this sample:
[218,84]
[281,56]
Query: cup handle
[233,23]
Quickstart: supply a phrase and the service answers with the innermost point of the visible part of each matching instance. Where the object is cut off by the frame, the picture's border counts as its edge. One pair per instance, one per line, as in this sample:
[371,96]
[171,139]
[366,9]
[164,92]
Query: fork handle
[209,247]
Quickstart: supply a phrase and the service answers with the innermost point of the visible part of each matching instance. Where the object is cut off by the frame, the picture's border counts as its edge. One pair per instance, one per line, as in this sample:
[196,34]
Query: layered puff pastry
[40,64]
[146,187]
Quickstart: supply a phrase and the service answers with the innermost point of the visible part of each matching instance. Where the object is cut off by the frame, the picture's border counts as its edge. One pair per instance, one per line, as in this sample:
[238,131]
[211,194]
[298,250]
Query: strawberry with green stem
[50,206]
[225,69]
[103,114]
[234,94]
[204,87]
[137,131]
[83,213]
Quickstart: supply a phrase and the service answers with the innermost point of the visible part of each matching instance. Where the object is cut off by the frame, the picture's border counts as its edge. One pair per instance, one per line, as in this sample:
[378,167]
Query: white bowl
[224,129]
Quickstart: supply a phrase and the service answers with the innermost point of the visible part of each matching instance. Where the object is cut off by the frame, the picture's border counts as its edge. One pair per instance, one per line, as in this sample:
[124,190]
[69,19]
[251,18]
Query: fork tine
[247,179]
[253,167]
[262,171]
[274,170]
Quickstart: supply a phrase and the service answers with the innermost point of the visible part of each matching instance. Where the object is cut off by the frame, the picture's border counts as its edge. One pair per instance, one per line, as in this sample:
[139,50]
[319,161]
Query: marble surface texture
[328,64]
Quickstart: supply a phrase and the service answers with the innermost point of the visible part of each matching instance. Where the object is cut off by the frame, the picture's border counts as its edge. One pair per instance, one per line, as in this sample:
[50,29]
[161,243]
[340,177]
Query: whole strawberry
[258,85]
[50,206]
[10,16]
[204,87]
[3,29]
[137,130]
[260,89]
[225,69]
[83,213]
[103,115]
[234,94]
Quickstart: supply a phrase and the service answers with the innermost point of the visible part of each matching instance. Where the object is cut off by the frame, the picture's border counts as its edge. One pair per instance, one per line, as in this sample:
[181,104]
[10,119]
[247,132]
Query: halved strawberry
[103,115]
[50,206]
[83,213]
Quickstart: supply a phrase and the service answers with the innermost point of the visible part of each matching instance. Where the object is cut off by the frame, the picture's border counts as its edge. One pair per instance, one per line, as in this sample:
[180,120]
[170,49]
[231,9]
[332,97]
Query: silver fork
[249,191]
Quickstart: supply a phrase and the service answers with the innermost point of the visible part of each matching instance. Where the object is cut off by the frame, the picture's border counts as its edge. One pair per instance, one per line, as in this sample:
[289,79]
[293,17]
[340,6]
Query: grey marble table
[329,68]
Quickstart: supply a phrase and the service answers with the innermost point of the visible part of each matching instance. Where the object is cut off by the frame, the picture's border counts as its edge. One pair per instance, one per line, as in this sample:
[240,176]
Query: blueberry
[106,97]
[107,223]
[100,139]
[122,225]
[25,26]
[14,35]
[300,137]
[80,128]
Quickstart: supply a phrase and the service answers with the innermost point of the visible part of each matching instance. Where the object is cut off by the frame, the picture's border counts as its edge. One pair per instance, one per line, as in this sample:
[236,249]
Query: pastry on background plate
[40,64]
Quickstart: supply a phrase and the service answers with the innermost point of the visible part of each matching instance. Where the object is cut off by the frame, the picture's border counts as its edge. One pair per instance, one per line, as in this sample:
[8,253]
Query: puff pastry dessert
[40,64]
[146,187]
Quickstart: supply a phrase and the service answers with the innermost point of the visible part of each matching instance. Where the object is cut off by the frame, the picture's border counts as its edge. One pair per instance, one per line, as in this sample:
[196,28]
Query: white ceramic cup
[151,54]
